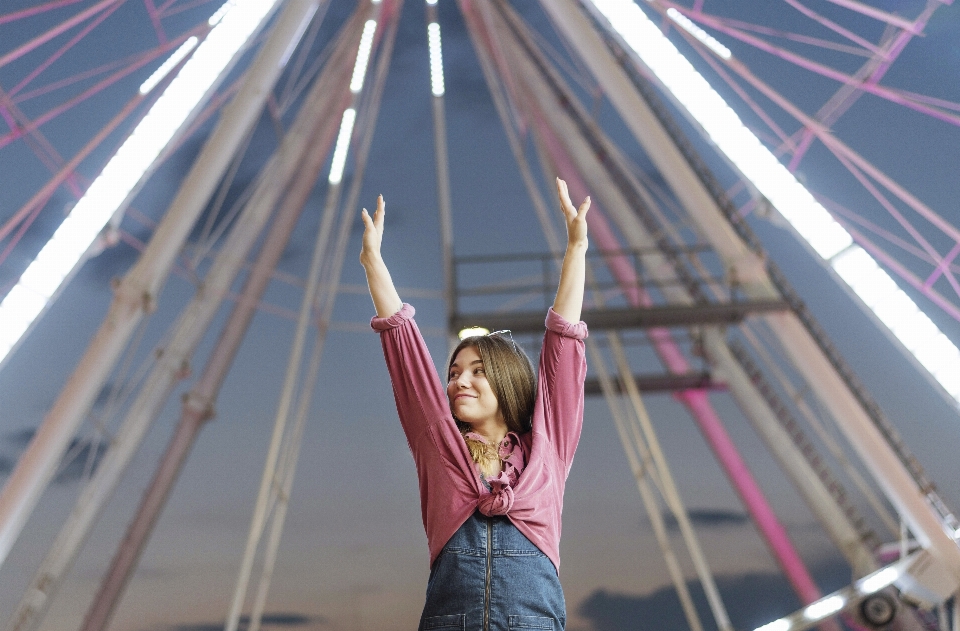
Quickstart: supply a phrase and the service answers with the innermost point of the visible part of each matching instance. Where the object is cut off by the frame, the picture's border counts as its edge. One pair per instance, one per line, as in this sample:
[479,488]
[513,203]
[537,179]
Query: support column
[137,292]
[199,402]
[862,432]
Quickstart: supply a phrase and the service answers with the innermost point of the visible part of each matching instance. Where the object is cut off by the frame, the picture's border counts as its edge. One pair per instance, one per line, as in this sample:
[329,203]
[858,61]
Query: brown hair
[510,376]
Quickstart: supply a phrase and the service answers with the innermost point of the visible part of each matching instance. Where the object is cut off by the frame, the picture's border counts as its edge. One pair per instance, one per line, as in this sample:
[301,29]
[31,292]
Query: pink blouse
[513,457]
[450,485]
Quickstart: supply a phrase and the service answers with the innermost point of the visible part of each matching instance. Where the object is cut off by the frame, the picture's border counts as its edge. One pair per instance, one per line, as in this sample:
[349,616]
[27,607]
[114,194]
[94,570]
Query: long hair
[511,379]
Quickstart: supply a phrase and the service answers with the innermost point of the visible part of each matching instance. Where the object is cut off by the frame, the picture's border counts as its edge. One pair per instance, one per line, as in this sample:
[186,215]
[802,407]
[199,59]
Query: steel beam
[615,319]
[660,383]
[835,391]
[136,295]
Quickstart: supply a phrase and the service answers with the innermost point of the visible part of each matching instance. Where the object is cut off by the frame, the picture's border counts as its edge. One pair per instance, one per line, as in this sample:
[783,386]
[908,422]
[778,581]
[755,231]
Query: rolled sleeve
[558,324]
[384,324]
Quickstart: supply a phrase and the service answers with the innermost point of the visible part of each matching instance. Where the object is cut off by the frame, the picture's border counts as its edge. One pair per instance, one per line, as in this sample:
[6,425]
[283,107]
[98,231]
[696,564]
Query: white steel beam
[643,471]
[873,448]
[781,445]
[114,188]
[441,159]
[269,479]
[610,197]
[137,292]
[330,282]
[176,355]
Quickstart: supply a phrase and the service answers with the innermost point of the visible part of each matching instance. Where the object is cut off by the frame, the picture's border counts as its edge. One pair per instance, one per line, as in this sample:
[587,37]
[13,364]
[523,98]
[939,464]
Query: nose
[463,381]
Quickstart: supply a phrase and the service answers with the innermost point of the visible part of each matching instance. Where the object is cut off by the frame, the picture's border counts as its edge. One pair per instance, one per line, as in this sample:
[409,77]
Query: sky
[353,555]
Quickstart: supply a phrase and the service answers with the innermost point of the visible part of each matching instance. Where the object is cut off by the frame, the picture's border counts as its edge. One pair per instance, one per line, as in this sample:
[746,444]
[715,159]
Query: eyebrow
[456,365]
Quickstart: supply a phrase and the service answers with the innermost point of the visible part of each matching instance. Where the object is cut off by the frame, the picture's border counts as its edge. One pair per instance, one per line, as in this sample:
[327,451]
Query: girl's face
[471,398]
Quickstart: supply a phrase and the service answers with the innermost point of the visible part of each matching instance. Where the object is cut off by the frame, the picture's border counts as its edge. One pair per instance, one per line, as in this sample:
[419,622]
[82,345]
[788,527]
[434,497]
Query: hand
[372,233]
[575,218]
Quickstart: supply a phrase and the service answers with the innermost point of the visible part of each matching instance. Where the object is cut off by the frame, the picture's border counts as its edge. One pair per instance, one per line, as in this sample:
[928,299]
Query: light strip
[343,144]
[363,56]
[824,607]
[932,349]
[687,24]
[781,624]
[436,59]
[219,13]
[236,20]
[847,597]
[168,65]
[880,579]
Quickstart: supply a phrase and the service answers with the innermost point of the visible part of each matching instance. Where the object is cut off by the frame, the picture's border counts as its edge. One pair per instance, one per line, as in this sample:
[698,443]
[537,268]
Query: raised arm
[569,300]
[386,300]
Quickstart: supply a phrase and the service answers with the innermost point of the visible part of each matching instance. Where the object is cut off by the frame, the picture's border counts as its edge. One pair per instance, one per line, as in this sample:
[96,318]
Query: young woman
[493,451]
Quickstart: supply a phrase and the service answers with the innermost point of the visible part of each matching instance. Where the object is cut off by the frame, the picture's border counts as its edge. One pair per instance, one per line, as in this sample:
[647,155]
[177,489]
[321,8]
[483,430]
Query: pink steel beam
[86,94]
[818,128]
[836,146]
[792,36]
[180,8]
[943,266]
[901,97]
[68,170]
[31,11]
[892,210]
[27,222]
[877,14]
[843,100]
[63,49]
[66,174]
[836,28]
[152,53]
[155,20]
[40,146]
[839,211]
[696,401]
[8,117]
[41,196]
[893,264]
[43,38]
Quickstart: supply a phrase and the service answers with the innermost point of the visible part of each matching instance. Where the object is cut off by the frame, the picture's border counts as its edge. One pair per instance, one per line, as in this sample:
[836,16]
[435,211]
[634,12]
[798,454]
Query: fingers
[376,222]
[567,206]
[564,194]
[381,212]
[584,207]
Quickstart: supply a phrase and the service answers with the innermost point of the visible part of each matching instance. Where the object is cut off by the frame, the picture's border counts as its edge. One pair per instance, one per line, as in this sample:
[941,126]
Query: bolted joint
[129,294]
[200,406]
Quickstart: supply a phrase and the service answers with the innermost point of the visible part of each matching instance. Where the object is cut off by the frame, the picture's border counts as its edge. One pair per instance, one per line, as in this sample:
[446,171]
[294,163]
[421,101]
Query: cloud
[709,518]
[18,439]
[81,459]
[278,620]
[751,600]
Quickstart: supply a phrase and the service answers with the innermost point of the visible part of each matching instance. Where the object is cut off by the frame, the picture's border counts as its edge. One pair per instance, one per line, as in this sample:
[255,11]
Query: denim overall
[489,577]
